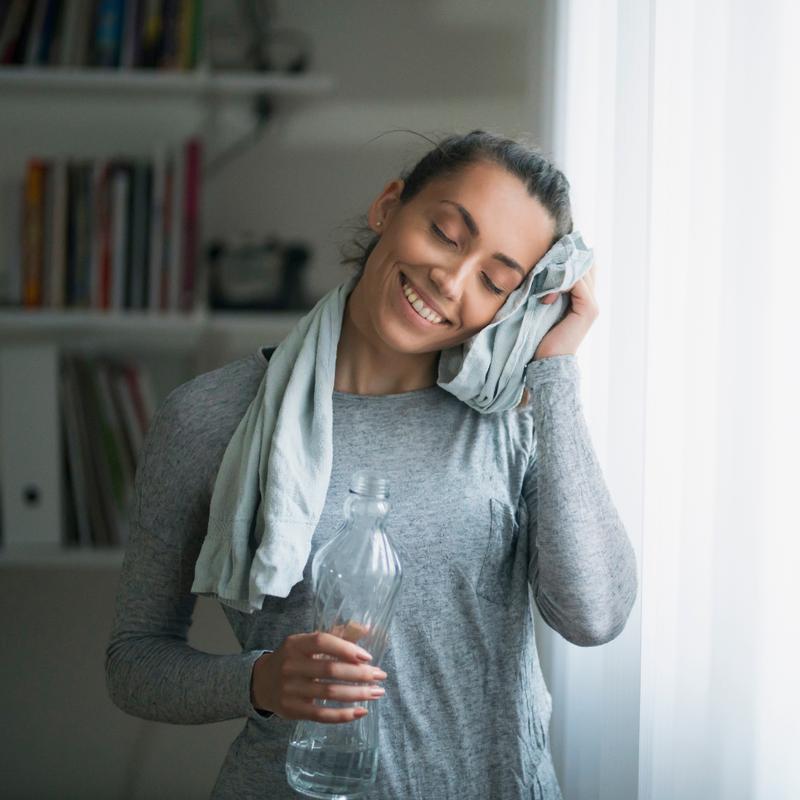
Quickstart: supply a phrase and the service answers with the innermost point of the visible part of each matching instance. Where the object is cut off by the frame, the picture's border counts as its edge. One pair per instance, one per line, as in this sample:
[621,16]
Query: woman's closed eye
[440,234]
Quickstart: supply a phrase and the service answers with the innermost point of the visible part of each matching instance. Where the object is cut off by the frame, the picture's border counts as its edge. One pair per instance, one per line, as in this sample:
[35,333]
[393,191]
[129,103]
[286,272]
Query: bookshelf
[139,330]
[32,445]
[41,335]
[200,83]
[179,343]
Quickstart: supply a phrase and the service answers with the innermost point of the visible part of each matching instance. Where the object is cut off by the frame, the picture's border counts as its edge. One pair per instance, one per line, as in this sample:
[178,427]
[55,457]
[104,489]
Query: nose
[450,279]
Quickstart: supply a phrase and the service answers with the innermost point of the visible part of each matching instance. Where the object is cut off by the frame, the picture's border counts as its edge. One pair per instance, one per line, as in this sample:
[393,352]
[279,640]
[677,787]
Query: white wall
[429,67]
[434,67]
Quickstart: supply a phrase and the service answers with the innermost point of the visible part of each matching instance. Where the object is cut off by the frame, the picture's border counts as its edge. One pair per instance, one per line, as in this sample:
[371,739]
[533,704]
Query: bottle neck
[366,510]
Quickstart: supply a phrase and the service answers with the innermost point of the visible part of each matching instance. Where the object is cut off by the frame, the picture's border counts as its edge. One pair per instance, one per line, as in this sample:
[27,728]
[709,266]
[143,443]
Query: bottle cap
[369,483]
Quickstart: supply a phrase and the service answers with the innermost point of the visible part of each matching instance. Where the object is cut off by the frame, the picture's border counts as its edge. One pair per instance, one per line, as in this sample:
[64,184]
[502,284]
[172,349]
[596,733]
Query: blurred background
[176,183]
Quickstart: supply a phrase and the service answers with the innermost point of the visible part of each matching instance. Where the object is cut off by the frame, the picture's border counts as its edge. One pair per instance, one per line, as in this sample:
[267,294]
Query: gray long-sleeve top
[482,507]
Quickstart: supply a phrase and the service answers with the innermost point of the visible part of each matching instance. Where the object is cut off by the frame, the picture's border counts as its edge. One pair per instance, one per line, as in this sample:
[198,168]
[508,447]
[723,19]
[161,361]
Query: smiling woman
[491,508]
[446,244]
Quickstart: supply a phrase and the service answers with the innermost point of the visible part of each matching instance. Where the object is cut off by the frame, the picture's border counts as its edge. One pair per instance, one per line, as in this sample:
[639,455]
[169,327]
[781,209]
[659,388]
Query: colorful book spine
[159,189]
[16,32]
[33,232]
[126,34]
[191,217]
[152,35]
[109,233]
[105,420]
[108,33]
[57,266]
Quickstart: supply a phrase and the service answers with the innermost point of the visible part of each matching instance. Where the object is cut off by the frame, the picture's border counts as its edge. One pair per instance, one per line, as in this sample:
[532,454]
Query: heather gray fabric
[272,482]
[482,506]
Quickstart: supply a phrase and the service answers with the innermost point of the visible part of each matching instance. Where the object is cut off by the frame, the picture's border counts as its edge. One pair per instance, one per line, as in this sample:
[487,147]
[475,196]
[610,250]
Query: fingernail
[363,654]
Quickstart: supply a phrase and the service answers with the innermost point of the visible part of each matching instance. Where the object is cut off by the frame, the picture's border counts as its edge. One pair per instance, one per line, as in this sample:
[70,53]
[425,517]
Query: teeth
[420,307]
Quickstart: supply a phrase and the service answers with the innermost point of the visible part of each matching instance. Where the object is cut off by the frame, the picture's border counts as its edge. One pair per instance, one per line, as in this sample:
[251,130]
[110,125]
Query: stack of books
[119,233]
[107,406]
[127,34]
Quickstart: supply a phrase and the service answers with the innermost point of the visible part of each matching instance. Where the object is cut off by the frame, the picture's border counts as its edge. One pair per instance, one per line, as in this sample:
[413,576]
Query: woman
[483,506]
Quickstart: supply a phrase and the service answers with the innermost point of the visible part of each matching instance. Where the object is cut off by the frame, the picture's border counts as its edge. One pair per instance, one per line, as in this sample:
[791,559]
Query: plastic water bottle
[356,578]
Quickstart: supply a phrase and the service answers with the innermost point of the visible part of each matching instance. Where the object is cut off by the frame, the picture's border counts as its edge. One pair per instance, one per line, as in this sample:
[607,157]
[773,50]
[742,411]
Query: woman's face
[464,243]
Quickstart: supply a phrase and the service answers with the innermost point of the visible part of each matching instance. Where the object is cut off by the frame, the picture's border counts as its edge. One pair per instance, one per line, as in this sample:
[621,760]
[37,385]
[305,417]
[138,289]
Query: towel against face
[487,371]
[272,483]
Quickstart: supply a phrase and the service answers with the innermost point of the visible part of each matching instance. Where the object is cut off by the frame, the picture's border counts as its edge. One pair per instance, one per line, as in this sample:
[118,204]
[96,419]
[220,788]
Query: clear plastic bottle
[356,578]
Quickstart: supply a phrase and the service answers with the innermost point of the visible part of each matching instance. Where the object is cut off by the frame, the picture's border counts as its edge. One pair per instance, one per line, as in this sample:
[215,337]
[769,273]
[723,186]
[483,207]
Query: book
[11,292]
[15,31]
[100,269]
[120,199]
[52,34]
[34,39]
[105,420]
[107,33]
[191,222]
[130,25]
[132,432]
[57,254]
[109,233]
[140,234]
[81,196]
[76,451]
[101,498]
[176,228]
[120,466]
[158,187]
[75,33]
[33,232]
[47,235]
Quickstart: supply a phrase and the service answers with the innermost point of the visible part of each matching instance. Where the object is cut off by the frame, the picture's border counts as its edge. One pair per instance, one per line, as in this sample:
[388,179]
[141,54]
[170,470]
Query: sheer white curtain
[678,124]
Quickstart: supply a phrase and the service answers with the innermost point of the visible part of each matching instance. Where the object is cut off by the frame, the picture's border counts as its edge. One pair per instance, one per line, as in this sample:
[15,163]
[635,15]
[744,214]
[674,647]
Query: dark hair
[541,178]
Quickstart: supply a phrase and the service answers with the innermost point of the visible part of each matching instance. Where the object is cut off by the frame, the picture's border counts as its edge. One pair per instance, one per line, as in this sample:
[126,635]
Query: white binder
[31,473]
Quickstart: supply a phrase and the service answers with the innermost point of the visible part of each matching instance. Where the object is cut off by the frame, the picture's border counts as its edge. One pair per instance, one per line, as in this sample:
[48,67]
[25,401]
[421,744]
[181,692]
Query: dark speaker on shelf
[250,275]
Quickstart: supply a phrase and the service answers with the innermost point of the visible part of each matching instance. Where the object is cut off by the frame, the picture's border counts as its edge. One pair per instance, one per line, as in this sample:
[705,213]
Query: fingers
[334,716]
[331,645]
[584,286]
[352,631]
[334,670]
[309,670]
[307,690]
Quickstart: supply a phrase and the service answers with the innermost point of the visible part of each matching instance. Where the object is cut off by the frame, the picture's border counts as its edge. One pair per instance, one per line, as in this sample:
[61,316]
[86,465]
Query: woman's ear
[383,205]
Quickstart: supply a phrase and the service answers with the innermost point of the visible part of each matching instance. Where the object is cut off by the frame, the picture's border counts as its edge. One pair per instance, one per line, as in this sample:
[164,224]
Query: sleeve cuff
[552,369]
[250,659]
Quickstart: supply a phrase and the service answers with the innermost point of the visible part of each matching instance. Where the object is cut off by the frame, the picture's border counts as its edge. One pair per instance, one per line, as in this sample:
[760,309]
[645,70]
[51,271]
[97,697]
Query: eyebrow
[473,229]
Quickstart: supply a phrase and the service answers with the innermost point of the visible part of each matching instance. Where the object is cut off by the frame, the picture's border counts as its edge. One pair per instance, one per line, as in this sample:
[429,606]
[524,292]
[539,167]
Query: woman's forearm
[583,566]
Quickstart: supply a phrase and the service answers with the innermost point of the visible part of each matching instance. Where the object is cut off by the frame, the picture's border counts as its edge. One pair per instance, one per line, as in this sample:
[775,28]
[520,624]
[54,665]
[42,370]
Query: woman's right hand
[286,681]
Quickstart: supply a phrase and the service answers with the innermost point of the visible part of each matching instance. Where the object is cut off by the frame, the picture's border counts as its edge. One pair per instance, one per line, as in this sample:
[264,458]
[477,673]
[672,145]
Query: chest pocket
[495,577]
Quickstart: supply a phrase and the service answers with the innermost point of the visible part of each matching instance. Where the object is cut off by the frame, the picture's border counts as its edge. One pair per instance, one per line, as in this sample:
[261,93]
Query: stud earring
[379,223]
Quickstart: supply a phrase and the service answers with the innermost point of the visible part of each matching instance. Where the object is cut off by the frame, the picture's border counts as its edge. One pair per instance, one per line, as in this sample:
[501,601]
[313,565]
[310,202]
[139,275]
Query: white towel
[273,480]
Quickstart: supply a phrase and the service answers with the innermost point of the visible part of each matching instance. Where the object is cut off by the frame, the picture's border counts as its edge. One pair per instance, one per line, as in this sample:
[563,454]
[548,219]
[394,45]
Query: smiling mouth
[404,284]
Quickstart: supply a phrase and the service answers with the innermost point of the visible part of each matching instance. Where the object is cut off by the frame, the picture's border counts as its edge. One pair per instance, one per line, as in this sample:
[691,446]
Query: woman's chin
[399,338]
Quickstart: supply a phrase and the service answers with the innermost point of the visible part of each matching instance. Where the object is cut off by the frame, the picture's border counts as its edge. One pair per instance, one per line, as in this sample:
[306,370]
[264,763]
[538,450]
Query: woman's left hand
[564,338]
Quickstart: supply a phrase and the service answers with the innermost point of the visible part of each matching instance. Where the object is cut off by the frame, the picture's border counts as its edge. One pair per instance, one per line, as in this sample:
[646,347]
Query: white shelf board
[24,320]
[200,83]
[141,329]
[53,555]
